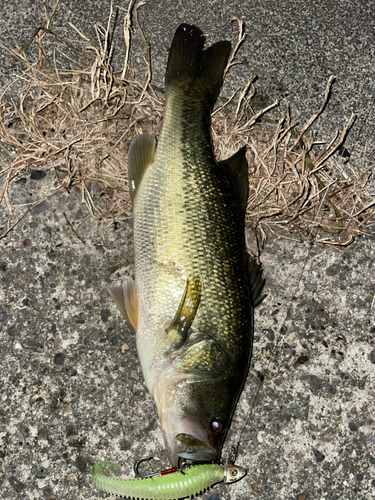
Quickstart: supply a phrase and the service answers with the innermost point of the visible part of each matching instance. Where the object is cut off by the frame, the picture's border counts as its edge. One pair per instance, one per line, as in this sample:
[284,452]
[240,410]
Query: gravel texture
[71,388]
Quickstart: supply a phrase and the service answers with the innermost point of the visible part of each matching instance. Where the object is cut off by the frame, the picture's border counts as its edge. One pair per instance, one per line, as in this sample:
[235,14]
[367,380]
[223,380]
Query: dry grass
[79,124]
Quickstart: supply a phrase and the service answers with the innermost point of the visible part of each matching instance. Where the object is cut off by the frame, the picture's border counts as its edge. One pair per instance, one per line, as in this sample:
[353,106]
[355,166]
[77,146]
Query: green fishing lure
[171,486]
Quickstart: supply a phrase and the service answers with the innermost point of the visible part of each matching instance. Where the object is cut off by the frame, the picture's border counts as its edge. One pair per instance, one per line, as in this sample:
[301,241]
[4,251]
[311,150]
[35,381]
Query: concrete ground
[71,388]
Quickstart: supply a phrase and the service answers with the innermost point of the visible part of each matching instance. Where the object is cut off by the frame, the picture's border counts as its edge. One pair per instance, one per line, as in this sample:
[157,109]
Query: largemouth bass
[195,286]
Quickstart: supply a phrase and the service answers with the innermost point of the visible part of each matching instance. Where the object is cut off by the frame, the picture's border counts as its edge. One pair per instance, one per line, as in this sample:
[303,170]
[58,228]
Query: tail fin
[189,62]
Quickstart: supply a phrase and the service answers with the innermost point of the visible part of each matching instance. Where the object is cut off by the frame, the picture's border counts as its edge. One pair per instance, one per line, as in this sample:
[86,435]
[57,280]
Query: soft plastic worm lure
[172,486]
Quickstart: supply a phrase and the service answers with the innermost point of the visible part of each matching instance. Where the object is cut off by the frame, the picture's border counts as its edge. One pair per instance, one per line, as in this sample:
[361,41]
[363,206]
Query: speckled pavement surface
[71,388]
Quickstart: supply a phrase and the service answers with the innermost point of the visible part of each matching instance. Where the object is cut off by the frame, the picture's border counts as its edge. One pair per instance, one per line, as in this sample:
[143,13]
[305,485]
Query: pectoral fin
[186,310]
[126,299]
[140,158]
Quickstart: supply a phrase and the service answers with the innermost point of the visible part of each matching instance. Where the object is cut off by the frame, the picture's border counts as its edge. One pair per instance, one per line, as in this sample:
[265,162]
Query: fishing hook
[181,466]
[136,465]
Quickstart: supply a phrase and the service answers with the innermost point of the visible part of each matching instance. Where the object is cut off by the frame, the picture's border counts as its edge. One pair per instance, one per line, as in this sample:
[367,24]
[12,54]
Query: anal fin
[140,158]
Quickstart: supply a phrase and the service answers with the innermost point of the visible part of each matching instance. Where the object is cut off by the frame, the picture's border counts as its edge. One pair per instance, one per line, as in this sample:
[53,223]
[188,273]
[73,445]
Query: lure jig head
[233,473]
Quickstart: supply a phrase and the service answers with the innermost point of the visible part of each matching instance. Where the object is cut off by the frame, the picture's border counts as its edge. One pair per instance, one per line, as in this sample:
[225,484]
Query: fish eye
[218,425]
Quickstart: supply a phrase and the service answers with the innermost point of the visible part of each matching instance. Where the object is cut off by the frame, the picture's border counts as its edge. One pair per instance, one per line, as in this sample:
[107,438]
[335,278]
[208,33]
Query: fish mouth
[191,448]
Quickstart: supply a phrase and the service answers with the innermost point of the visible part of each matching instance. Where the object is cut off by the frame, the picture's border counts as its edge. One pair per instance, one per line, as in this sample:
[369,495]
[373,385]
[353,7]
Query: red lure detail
[168,471]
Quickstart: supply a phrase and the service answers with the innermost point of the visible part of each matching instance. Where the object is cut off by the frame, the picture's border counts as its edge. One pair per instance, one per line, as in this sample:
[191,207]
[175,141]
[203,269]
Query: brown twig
[72,228]
[319,112]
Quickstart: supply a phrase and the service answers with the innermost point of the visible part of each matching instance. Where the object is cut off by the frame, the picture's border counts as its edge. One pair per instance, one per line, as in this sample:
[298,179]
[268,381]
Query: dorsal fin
[237,171]
[256,280]
[140,158]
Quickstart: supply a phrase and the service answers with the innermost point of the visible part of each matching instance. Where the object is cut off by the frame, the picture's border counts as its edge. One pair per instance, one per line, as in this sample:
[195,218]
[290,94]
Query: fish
[195,286]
